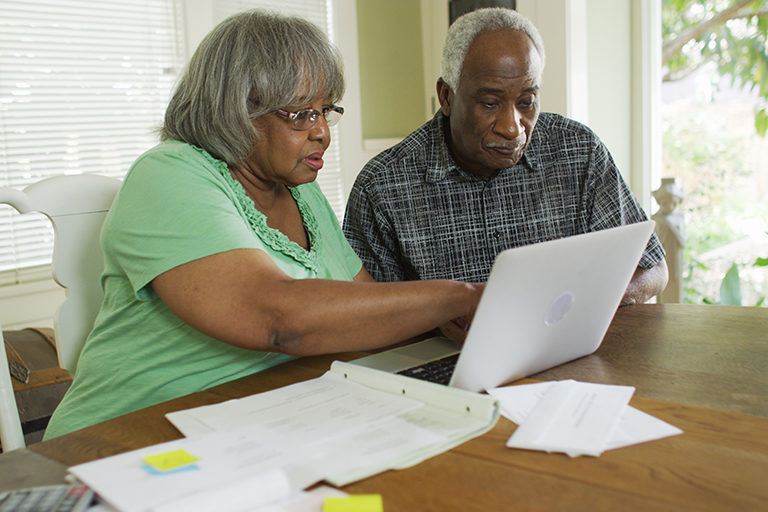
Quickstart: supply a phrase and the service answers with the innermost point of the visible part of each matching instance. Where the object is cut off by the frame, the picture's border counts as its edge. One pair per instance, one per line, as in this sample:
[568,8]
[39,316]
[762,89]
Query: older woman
[222,257]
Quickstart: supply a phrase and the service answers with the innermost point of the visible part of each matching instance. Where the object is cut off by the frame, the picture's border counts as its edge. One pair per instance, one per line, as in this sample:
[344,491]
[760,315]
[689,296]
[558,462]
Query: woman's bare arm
[241,297]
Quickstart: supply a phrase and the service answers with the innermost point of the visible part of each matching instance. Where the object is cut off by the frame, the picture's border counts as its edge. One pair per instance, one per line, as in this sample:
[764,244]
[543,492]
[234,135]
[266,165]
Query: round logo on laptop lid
[559,308]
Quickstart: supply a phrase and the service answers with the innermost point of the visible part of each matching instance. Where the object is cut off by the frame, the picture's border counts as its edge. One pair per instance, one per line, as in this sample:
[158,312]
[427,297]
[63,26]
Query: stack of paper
[351,423]
[576,418]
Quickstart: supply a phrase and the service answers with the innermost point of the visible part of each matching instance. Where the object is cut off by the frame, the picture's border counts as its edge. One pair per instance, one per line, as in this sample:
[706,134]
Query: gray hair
[251,64]
[466,28]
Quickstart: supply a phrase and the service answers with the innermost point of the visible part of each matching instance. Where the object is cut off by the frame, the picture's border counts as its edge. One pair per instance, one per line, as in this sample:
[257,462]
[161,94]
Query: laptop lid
[548,303]
[543,305]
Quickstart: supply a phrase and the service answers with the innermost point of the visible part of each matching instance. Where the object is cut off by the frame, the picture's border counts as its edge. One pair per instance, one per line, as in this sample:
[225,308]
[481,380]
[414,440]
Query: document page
[157,477]
[353,430]
[581,413]
[573,417]
[330,428]
[314,409]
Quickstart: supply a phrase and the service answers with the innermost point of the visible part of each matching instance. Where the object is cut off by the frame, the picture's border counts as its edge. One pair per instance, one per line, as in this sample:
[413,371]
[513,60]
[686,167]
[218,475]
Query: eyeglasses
[306,119]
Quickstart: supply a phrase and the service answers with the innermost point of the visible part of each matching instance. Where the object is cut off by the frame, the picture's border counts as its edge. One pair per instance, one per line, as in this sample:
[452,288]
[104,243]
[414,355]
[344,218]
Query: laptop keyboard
[438,371]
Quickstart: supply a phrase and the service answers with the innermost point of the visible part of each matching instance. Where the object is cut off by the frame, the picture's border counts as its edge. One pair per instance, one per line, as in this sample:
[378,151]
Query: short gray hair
[466,28]
[252,63]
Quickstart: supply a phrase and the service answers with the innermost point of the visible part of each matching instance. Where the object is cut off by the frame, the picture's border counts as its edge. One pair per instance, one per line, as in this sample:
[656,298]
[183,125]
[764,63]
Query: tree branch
[746,13]
[673,47]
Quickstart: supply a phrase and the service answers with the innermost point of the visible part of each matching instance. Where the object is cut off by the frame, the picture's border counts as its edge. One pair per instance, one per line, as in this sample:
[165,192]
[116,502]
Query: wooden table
[703,369]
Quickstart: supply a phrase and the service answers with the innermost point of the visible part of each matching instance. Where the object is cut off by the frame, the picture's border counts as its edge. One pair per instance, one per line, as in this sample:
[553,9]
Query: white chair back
[11,434]
[76,206]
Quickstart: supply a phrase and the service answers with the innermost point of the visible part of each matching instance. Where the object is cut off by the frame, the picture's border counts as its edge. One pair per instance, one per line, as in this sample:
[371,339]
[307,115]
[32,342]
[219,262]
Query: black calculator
[48,498]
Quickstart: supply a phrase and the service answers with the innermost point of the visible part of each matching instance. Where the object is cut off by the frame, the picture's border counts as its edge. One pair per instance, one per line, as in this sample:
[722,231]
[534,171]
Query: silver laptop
[544,304]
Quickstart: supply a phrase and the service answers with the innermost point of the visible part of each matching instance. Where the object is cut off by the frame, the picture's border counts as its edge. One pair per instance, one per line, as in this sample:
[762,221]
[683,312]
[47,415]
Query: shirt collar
[440,163]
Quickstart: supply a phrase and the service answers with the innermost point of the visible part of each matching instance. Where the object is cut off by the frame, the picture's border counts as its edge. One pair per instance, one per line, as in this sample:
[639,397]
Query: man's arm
[646,283]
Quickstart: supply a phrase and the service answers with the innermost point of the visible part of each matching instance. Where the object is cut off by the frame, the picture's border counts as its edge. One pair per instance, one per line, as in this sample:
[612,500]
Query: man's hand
[646,283]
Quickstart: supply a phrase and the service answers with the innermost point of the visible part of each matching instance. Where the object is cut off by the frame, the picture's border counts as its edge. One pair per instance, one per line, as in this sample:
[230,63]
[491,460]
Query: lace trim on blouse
[274,238]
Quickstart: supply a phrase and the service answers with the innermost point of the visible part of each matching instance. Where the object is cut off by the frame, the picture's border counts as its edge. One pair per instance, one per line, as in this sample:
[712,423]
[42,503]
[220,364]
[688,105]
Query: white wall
[609,72]
[434,27]
[561,24]
[603,59]
[587,75]
[646,94]
[353,154]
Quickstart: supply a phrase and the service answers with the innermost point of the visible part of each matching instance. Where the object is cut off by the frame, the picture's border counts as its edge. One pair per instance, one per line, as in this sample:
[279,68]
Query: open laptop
[543,305]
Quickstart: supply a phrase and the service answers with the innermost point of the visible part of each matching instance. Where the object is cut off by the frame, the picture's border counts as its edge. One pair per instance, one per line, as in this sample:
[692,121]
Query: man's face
[495,107]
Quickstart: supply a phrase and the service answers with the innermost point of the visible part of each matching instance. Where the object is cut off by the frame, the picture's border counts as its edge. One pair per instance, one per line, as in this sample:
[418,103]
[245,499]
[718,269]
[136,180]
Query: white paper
[224,459]
[573,417]
[301,501]
[518,402]
[305,501]
[330,428]
[355,430]
[319,408]
[252,492]
[638,427]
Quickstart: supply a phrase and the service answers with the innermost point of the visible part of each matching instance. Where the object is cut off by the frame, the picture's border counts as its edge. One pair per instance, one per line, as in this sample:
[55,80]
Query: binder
[349,424]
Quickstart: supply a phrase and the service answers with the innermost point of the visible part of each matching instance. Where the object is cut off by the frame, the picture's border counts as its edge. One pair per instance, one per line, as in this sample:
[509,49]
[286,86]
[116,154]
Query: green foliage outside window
[706,148]
[732,34]
[708,151]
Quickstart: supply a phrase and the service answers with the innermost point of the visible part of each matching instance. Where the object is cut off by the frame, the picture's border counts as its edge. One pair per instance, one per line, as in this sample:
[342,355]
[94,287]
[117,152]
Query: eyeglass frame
[310,113]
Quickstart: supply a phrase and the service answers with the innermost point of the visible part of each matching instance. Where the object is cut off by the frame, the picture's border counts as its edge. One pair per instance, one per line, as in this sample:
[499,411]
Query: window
[83,88]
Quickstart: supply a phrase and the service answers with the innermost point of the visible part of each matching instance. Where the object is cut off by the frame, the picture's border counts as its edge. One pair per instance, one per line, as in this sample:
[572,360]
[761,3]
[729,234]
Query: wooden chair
[76,206]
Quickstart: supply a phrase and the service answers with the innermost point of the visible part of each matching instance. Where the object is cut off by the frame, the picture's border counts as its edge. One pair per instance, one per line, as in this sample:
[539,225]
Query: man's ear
[444,96]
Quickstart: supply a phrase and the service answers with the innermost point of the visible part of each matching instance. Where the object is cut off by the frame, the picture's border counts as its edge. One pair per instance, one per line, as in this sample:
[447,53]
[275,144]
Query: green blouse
[178,204]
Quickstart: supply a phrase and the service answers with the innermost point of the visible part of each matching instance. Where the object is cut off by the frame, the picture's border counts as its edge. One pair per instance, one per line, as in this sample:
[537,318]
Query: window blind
[83,88]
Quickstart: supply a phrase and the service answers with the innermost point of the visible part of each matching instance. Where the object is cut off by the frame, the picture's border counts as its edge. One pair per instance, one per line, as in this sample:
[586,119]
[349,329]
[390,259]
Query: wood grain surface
[700,368]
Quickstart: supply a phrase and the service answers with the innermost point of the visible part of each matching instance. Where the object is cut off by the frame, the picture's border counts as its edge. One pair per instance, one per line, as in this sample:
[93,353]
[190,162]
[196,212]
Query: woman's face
[286,155]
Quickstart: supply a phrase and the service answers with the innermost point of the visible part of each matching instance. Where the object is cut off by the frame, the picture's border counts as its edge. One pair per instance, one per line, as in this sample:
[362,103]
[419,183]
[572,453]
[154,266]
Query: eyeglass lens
[306,119]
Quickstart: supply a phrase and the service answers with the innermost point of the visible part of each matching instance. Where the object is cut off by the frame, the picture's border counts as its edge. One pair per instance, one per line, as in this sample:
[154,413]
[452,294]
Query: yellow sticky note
[170,460]
[357,503]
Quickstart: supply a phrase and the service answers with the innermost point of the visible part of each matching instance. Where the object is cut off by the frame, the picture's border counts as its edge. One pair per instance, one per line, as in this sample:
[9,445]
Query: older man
[489,172]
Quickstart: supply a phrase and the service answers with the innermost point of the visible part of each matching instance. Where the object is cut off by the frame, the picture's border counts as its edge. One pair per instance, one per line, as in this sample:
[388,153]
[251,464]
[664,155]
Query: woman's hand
[456,330]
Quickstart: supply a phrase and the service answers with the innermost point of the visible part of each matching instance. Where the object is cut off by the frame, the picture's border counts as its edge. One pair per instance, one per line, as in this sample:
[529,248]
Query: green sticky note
[357,503]
[170,460]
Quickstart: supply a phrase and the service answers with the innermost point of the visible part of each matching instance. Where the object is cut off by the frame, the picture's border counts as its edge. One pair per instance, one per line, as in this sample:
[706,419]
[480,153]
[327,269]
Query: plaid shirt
[414,214]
